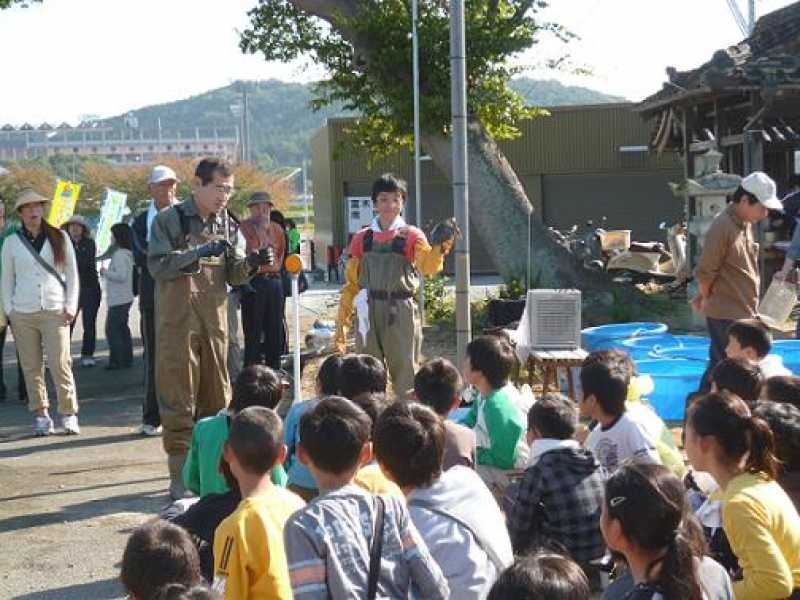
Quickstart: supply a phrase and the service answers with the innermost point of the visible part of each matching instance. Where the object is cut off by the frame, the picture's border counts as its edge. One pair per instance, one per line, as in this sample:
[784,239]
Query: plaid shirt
[559,500]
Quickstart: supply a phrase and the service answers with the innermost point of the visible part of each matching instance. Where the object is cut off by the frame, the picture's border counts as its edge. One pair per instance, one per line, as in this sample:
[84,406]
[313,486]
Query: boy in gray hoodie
[453,510]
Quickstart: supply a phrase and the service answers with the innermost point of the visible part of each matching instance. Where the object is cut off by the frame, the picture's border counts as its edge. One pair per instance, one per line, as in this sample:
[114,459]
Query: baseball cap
[761,186]
[162,173]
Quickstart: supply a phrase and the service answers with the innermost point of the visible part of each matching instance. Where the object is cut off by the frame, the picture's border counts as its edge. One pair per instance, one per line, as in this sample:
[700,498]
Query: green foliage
[22,3]
[440,307]
[514,289]
[367,52]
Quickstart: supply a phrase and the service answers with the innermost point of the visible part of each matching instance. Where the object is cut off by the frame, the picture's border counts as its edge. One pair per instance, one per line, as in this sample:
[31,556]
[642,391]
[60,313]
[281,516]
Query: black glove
[212,248]
[446,231]
[265,256]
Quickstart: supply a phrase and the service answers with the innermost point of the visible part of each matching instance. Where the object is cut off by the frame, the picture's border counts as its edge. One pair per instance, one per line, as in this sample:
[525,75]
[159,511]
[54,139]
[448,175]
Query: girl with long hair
[725,439]
[646,518]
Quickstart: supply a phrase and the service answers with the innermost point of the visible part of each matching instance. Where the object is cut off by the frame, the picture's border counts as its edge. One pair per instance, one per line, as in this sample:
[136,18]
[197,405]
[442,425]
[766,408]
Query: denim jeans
[118,335]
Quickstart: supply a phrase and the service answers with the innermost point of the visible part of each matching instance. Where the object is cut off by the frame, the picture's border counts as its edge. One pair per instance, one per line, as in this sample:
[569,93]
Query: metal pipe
[458,101]
[296,318]
[417,166]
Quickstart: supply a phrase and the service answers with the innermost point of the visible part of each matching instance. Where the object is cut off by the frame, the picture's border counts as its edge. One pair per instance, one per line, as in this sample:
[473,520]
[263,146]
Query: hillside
[282,122]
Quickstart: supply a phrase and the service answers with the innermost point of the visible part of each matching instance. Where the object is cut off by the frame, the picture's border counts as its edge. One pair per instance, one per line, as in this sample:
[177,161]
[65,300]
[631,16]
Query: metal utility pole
[417,166]
[246,124]
[458,102]
[305,190]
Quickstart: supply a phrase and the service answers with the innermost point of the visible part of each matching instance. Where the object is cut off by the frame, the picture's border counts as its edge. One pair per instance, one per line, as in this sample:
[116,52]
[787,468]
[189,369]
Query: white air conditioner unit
[555,319]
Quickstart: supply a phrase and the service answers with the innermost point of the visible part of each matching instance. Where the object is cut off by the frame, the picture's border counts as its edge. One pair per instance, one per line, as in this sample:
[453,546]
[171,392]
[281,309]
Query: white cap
[761,186]
[161,173]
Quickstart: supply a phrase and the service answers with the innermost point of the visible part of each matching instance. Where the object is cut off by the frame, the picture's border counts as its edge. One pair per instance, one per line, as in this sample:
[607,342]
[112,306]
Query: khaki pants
[32,332]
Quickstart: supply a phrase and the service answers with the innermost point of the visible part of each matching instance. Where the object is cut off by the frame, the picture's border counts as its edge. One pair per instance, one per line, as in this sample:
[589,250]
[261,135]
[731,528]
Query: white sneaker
[43,425]
[70,425]
[149,430]
[88,361]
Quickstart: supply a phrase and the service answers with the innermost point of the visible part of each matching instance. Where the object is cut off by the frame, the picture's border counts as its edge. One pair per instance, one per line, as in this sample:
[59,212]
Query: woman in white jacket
[40,295]
[119,297]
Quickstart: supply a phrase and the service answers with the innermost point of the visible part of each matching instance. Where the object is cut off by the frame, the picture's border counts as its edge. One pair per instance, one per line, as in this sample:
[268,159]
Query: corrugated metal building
[582,162]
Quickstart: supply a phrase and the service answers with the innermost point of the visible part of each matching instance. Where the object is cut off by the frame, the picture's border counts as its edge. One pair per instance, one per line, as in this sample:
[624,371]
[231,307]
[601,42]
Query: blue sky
[67,58]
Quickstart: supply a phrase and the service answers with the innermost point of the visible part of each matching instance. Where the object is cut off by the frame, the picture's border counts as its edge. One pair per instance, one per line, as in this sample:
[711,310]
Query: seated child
[453,510]
[157,555]
[647,520]
[300,480]
[329,542]
[740,377]
[542,576]
[499,427]
[256,385]
[249,558]
[640,410]
[370,476]
[723,438]
[176,591]
[561,494]
[360,373]
[203,517]
[617,437]
[784,420]
[750,340]
[784,389]
[437,384]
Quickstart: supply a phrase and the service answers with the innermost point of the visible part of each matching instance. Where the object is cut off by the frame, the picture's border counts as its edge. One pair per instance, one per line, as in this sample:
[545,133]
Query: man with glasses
[192,256]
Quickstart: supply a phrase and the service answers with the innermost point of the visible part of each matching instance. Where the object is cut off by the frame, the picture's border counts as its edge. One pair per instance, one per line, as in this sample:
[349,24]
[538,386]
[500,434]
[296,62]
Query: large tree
[9,3]
[366,49]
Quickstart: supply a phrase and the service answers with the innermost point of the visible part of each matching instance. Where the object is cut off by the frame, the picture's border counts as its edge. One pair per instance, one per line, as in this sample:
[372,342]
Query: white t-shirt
[624,440]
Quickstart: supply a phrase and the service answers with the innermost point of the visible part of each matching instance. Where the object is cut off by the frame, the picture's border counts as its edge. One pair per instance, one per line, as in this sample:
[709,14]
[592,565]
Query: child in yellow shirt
[249,557]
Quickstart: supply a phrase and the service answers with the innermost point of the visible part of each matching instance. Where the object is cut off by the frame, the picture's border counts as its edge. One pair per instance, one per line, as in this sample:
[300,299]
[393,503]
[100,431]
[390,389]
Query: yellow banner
[64,201]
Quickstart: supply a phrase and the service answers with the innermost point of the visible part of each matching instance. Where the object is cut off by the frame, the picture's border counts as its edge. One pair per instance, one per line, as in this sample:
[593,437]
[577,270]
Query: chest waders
[395,332]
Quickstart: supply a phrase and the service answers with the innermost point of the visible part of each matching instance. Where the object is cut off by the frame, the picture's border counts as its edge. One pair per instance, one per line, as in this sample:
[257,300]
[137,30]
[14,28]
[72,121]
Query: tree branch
[523,8]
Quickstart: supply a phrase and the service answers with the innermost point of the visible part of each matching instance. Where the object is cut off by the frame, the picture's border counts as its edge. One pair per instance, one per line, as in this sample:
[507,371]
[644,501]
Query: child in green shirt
[256,385]
[499,426]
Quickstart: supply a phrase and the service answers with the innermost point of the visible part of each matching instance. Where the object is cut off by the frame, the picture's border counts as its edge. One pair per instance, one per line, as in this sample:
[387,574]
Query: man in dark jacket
[163,183]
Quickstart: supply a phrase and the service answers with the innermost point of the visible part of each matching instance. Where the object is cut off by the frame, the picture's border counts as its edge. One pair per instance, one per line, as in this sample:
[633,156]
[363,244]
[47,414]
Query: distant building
[122,146]
[580,163]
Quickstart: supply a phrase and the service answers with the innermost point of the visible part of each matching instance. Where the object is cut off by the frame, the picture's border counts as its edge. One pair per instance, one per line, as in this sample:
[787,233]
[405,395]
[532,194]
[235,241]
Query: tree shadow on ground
[63,442]
[107,589]
[146,503]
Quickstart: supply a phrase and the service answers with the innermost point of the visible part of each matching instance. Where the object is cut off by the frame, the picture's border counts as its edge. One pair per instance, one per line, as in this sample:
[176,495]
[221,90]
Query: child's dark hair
[256,437]
[493,358]
[177,591]
[389,182]
[542,576]
[360,373]
[784,388]
[752,333]
[122,235]
[333,434]
[649,502]
[784,420]
[436,384]
[256,385]
[157,554]
[740,193]
[409,442]
[736,430]
[372,403]
[328,375]
[553,416]
[606,375]
[739,377]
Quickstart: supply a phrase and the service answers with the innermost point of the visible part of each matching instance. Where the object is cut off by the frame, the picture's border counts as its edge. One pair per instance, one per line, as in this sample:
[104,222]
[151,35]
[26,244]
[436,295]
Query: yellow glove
[348,294]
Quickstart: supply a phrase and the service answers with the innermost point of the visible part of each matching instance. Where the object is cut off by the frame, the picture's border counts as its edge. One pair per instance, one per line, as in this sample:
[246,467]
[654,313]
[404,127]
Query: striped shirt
[328,546]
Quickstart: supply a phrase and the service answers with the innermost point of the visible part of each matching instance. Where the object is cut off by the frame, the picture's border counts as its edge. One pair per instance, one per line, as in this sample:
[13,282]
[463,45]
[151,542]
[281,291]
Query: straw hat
[28,197]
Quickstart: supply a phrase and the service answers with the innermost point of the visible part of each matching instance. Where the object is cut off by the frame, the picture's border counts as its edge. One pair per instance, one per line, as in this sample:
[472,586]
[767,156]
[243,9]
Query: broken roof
[770,57]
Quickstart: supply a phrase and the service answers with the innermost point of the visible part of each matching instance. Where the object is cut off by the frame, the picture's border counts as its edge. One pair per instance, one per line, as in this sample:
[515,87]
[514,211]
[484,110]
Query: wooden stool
[551,361]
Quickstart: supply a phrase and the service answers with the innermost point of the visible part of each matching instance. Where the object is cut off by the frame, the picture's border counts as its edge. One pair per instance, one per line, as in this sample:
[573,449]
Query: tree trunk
[500,211]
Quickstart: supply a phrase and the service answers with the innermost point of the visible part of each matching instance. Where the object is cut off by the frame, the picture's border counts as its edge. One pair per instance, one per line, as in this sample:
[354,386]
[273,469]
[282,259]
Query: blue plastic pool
[674,380]
[695,353]
[789,351]
[592,337]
